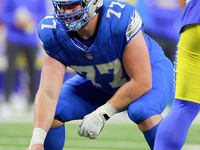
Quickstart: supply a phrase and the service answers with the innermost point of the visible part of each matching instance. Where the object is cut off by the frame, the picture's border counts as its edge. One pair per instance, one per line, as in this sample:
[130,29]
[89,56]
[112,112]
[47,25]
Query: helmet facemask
[75,20]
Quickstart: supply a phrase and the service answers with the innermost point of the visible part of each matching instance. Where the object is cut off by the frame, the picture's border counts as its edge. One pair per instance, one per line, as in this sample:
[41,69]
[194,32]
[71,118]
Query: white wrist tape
[39,135]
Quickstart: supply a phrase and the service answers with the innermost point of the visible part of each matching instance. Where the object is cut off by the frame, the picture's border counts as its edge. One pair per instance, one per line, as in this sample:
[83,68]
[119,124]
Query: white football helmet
[89,8]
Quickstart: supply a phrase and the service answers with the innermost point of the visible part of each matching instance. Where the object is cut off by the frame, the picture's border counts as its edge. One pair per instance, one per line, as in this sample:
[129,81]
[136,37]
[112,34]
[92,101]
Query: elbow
[147,87]
[147,83]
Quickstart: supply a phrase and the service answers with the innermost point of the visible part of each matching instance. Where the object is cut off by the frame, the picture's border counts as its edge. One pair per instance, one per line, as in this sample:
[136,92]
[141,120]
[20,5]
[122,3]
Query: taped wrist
[39,135]
[107,110]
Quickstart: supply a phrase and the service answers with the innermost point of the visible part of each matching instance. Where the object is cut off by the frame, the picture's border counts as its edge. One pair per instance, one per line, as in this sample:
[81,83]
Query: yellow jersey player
[173,130]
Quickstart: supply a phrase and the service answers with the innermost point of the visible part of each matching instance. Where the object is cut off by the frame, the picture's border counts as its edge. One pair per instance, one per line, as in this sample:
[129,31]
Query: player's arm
[181,3]
[47,96]
[137,65]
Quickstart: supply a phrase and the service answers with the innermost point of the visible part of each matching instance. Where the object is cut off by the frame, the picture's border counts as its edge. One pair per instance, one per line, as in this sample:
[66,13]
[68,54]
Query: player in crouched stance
[119,68]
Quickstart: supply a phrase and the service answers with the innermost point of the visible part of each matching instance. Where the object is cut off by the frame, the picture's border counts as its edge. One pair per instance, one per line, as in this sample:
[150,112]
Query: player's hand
[36,147]
[92,124]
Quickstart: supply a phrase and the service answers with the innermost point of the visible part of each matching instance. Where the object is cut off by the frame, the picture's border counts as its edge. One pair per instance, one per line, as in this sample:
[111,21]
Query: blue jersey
[101,63]
[191,13]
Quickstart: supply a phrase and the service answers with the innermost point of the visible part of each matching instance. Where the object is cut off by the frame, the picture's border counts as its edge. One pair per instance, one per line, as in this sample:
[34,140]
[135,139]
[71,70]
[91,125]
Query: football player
[119,68]
[173,130]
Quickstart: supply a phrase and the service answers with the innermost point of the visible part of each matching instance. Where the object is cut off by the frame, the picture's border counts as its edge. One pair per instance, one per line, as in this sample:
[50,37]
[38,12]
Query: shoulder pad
[45,30]
[123,18]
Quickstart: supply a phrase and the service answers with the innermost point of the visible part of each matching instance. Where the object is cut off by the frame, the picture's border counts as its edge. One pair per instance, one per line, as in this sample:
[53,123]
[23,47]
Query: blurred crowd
[21,52]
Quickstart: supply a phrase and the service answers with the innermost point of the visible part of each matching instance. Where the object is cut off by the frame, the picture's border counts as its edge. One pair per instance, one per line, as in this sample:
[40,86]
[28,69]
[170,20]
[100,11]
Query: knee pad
[136,112]
[64,112]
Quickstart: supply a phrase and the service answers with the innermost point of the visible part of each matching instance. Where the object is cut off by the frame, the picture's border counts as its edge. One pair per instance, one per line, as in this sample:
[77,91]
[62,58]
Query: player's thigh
[78,98]
[187,66]
[156,100]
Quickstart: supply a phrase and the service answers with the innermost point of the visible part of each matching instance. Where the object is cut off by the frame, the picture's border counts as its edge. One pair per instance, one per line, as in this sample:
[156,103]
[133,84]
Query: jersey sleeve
[46,31]
[127,26]
[134,26]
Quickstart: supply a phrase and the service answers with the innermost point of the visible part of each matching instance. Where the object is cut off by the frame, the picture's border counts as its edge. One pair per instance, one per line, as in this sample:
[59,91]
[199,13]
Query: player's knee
[64,112]
[57,123]
[136,112]
[165,139]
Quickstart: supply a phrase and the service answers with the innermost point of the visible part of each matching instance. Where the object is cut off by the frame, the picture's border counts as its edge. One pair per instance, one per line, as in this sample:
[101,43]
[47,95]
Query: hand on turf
[93,123]
[36,147]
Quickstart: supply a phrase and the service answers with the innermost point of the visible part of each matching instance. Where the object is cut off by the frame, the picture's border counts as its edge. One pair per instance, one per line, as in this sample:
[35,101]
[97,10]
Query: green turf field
[16,136]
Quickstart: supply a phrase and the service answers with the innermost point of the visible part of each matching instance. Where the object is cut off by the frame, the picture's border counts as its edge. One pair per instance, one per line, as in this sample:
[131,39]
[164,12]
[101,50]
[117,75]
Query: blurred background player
[20,18]
[164,17]
[162,22]
[173,130]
